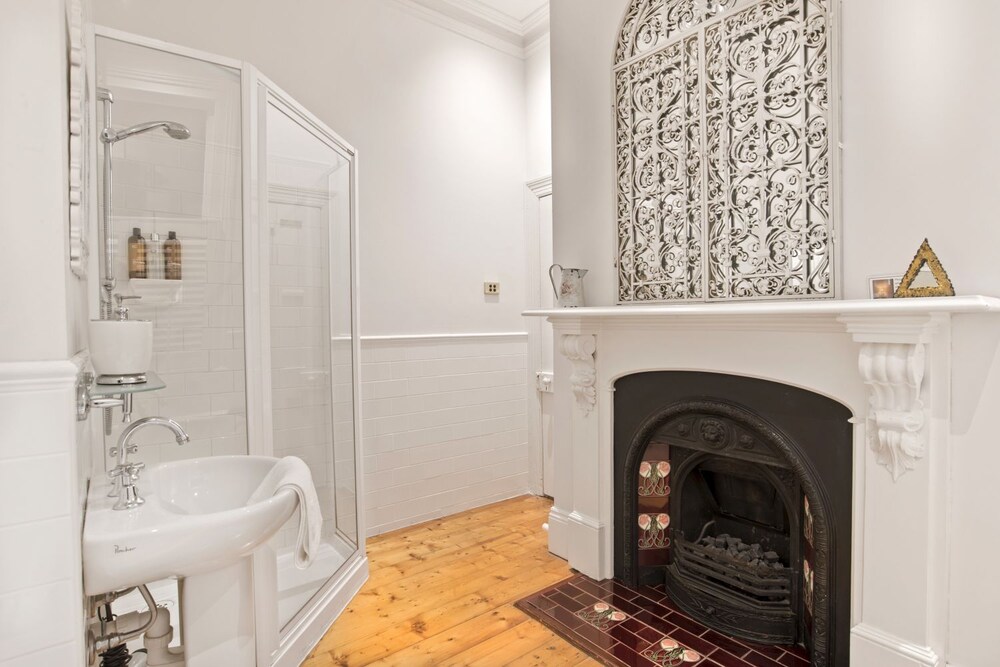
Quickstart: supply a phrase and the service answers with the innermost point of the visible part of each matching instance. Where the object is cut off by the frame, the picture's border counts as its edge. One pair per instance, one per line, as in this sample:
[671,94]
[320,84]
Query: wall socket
[492,289]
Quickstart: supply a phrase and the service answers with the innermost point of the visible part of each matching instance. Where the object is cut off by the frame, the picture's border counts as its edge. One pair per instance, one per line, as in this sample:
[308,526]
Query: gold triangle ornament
[925,257]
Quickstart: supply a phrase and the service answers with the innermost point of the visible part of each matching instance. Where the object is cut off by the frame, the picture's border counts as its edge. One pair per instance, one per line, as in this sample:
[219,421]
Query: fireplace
[889,366]
[734,494]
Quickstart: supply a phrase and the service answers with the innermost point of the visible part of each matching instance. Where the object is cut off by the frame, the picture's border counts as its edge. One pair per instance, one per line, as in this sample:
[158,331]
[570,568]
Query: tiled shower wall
[445,425]
[198,324]
[193,188]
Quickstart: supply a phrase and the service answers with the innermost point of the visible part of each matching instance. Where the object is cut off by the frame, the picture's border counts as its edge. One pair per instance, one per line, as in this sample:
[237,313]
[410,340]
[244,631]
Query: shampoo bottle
[172,256]
[154,257]
[136,254]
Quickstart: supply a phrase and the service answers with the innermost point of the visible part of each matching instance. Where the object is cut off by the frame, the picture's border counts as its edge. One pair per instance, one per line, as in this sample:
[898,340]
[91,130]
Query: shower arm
[109,282]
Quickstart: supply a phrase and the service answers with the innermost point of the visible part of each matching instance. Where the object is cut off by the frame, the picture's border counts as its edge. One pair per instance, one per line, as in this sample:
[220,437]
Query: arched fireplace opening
[734,494]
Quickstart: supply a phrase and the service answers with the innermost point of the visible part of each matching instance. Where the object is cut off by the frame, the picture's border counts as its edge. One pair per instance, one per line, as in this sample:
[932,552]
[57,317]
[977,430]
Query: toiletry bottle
[154,257]
[172,256]
[136,255]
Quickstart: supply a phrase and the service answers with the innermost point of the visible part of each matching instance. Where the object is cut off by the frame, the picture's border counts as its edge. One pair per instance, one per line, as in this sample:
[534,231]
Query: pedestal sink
[195,525]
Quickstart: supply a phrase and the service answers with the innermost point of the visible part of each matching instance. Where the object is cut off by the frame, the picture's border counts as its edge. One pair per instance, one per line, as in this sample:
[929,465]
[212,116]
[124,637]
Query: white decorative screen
[723,150]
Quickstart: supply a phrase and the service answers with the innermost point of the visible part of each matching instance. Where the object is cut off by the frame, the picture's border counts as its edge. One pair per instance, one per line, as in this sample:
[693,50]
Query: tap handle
[132,449]
[122,310]
[133,470]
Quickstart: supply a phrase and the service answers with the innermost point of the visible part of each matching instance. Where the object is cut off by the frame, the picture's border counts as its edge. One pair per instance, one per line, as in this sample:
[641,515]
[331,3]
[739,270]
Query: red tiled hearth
[620,626]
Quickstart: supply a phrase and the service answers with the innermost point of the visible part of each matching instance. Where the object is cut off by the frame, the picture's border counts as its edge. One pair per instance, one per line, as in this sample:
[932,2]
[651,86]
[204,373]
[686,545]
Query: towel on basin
[292,473]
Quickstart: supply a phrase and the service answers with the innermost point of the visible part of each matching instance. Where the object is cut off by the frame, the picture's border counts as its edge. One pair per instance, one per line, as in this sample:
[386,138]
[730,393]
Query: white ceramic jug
[569,287]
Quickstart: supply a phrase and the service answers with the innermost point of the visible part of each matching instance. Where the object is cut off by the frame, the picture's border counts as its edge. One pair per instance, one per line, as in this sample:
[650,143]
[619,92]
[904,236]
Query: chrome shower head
[173,130]
[177,131]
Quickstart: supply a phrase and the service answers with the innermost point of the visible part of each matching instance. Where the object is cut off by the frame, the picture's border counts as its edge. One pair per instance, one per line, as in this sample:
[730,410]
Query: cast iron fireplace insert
[735,494]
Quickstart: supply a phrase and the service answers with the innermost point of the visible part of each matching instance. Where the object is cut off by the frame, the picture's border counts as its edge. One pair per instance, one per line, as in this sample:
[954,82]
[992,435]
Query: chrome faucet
[125,475]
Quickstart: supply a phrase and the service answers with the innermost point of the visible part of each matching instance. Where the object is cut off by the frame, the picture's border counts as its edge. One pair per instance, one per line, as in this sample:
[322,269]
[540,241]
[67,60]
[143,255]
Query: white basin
[195,520]
[121,347]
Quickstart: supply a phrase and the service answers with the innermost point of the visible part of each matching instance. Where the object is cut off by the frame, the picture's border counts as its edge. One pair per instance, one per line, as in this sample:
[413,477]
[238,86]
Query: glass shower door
[306,239]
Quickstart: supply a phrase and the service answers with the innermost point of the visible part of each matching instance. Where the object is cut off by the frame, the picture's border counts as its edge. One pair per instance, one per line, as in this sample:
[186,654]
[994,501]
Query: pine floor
[442,594]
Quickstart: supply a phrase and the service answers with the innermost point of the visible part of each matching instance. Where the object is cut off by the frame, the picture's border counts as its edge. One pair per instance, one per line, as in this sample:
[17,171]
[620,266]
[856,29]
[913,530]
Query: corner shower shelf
[157,291]
[152,383]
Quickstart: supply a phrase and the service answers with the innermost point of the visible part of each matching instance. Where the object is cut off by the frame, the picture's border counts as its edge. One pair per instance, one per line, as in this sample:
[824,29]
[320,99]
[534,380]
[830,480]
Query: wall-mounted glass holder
[108,397]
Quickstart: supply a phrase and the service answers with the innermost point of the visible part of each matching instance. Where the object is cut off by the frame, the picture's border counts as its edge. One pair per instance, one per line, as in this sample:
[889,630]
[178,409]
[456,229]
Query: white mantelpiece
[888,361]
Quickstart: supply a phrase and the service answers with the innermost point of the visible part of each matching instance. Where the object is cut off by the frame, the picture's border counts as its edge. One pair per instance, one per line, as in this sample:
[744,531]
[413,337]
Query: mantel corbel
[893,364]
[581,349]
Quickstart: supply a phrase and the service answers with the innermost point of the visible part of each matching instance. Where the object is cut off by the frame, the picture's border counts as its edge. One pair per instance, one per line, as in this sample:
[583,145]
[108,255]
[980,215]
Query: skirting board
[871,647]
[303,638]
[586,546]
[559,532]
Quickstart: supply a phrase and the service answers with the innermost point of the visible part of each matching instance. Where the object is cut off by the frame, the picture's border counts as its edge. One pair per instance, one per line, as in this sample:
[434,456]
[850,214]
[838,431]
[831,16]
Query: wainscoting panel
[445,425]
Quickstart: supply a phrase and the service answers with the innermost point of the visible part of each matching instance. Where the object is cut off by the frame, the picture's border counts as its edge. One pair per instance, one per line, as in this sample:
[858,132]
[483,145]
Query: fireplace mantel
[889,361]
[778,309]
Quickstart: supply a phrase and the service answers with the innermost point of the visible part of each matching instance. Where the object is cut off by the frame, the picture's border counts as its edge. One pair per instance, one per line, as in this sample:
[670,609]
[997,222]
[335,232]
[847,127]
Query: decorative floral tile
[670,653]
[602,616]
[809,580]
[653,479]
[653,531]
[807,520]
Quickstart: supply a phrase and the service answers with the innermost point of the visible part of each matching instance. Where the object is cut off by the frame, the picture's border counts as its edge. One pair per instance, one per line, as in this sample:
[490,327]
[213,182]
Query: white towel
[292,473]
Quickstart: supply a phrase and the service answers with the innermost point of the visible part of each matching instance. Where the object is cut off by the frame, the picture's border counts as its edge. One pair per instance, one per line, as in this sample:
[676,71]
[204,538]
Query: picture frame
[883,287]
[937,283]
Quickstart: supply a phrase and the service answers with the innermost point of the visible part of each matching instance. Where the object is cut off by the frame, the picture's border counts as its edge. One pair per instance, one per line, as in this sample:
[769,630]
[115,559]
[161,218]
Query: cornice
[484,24]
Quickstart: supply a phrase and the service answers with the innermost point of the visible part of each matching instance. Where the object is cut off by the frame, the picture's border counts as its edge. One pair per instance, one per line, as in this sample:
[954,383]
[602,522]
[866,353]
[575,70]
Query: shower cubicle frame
[292,644]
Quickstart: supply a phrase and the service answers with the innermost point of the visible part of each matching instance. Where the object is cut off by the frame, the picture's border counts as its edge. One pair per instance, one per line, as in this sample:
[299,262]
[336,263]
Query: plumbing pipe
[99,601]
[126,628]
[104,95]
[157,642]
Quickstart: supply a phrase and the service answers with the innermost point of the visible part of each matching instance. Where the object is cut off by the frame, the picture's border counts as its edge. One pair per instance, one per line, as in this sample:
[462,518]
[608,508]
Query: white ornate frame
[79,137]
[835,132]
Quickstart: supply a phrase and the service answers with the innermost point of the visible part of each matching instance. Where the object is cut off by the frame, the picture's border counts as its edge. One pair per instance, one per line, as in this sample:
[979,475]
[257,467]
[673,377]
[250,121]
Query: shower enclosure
[257,342]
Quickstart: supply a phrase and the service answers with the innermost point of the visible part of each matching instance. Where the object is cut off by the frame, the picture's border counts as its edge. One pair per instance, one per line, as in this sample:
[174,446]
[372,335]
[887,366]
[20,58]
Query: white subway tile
[64,654]
[198,384]
[35,554]
[226,360]
[19,484]
[462,442]
[34,619]
[19,413]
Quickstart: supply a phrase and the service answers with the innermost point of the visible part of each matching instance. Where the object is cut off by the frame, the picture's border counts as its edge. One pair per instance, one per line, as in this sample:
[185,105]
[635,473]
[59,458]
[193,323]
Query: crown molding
[484,24]
[539,44]
[535,25]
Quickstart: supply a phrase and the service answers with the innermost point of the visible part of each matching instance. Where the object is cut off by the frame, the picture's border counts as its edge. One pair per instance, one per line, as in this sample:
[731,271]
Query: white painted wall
[583,165]
[438,121]
[33,210]
[538,103]
[920,85]
[40,329]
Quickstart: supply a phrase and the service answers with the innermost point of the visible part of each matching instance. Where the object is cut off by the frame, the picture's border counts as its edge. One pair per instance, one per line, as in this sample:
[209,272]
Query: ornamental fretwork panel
[723,150]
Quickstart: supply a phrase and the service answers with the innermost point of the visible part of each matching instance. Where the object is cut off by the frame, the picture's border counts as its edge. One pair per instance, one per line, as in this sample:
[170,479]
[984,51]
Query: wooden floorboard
[442,594]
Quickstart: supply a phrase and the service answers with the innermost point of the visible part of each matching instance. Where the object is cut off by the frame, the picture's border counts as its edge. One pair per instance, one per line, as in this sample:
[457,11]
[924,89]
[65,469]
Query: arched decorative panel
[724,115]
